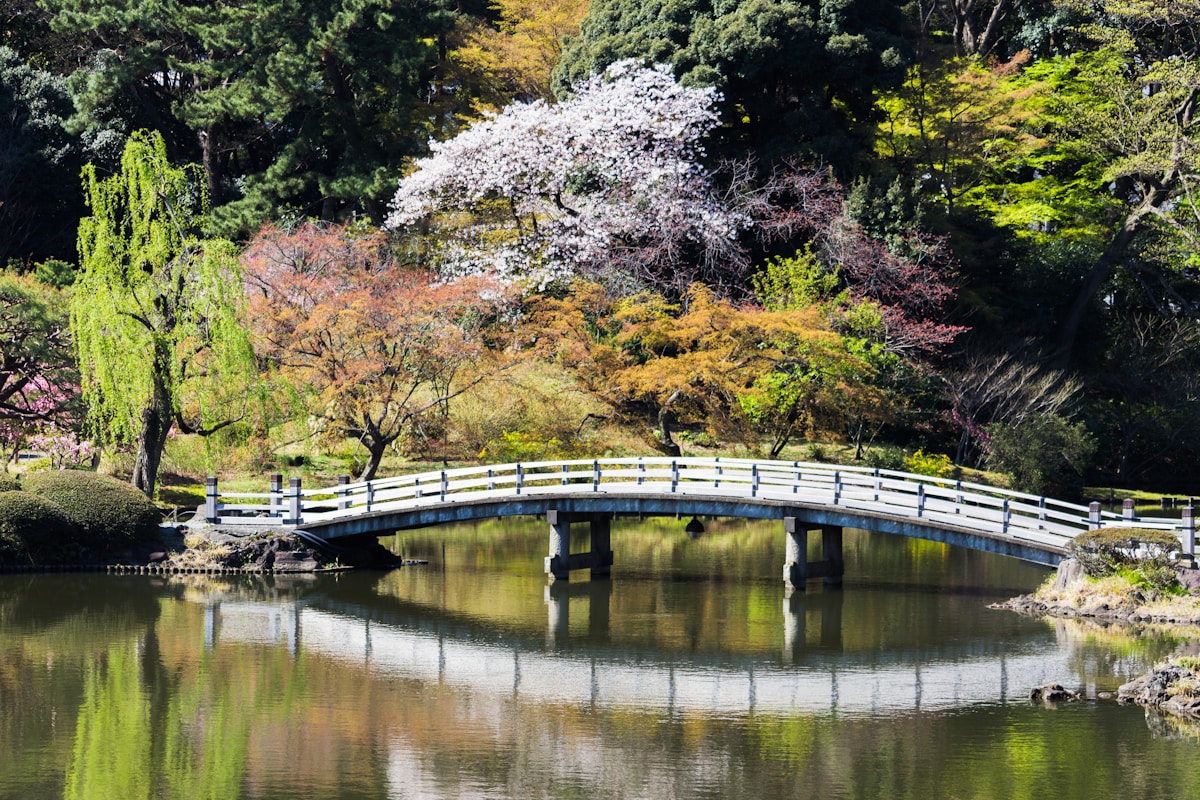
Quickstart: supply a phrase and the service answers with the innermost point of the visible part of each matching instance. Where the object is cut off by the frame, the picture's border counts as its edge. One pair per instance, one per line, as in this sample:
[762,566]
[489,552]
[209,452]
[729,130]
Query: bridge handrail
[856,487]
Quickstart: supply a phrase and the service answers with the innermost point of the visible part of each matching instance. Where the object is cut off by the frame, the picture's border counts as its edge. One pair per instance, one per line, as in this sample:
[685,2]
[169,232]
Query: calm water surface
[688,675]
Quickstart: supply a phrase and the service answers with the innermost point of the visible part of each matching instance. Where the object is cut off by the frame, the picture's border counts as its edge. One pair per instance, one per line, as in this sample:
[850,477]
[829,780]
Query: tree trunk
[211,160]
[670,447]
[152,439]
[1093,282]
[375,450]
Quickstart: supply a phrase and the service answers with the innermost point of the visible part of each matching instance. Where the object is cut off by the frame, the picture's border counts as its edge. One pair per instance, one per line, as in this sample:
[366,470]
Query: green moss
[34,530]
[109,513]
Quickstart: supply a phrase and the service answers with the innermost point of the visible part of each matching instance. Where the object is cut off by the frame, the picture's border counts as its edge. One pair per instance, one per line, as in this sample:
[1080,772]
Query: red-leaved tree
[370,349]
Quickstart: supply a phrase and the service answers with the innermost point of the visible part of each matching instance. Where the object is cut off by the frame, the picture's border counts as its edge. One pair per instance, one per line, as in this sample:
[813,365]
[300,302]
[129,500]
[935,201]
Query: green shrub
[9,484]
[885,458]
[34,530]
[1141,554]
[1045,455]
[109,513]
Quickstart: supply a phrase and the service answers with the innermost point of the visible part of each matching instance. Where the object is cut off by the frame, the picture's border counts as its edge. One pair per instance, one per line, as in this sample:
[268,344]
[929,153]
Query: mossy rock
[110,514]
[8,484]
[34,530]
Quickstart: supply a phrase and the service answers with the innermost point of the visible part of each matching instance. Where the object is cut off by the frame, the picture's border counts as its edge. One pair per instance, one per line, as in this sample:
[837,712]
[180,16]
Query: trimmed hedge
[109,514]
[9,484]
[1108,551]
[34,530]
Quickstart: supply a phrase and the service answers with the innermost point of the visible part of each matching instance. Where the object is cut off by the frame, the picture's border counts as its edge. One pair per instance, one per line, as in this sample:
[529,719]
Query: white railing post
[1093,515]
[1188,523]
[837,486]
[754,480]
[276,492]
[491,479]
[417,488]
[878,485]
[595,475]
[958,497]
[920,499]
[565,480]
[674,475]
[1006,517]
[294,517]
[641,471]
[720,472]
[371,495]
[520,478]
[445,486]
[343,493]
[1041,513]
[1127,509]
[210,500]
[796,477]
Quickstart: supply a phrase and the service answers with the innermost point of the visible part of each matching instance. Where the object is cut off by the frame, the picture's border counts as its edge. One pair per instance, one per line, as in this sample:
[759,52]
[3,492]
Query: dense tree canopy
[796,76]
[1018,236]
[307,105]
[37,158]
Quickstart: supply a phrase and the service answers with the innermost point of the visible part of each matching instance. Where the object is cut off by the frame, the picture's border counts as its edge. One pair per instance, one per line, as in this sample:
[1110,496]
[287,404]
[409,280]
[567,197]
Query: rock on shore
[1172,688]
[262,550]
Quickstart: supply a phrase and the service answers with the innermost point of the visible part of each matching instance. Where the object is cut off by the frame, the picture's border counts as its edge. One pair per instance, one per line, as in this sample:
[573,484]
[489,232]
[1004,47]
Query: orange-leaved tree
[707,361]
[371,349]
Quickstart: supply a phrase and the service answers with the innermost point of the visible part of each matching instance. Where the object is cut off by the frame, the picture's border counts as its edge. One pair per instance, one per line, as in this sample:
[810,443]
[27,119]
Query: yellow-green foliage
[935,465]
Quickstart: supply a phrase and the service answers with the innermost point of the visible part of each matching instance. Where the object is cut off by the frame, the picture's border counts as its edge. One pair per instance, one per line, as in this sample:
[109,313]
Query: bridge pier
[560,561]
[797,569]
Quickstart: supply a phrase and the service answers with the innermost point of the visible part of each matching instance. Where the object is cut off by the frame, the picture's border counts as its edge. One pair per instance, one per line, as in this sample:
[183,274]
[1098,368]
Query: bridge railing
[942,501]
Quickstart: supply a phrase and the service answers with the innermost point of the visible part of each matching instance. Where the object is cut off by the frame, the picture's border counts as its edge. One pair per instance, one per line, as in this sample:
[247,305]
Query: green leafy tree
[796,76]
[157,309]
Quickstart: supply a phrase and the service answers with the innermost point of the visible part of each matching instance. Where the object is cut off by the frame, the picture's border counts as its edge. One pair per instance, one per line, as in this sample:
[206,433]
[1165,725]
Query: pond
[689,674]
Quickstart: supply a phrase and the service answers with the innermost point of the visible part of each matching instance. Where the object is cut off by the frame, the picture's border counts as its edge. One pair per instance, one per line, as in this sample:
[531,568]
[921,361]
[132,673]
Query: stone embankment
[1072,595]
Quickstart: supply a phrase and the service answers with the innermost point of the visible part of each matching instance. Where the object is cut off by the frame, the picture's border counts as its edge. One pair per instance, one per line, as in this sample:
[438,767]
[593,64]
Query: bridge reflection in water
[606,676]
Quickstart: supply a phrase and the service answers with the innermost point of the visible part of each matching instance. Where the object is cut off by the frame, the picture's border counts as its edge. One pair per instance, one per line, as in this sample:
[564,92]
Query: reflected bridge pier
[797,568]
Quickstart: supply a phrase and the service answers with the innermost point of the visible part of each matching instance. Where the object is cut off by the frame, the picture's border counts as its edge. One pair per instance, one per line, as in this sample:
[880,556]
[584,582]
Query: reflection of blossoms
[608,179]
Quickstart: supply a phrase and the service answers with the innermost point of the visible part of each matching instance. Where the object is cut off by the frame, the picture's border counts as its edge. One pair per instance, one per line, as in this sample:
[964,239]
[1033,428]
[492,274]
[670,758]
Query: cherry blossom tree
[39,386]
[607,183]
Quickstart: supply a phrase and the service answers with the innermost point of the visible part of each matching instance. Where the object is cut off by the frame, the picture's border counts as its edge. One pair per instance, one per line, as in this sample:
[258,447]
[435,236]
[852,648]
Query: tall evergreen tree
[307,104]
[797,75]
[39,164]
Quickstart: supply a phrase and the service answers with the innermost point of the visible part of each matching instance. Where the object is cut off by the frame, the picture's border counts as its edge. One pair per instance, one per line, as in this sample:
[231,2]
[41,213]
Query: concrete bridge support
[797,569]
[561,561]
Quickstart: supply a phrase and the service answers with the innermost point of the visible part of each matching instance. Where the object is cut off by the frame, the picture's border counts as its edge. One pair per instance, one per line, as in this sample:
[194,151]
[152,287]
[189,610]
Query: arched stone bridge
[803,496]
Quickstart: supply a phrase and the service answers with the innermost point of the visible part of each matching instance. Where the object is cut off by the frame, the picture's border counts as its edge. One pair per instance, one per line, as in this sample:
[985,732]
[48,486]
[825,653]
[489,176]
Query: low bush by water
[107,514]
[34,530]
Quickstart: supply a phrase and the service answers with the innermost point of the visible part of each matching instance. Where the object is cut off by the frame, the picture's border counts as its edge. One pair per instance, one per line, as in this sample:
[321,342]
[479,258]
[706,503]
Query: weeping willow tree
[157,310]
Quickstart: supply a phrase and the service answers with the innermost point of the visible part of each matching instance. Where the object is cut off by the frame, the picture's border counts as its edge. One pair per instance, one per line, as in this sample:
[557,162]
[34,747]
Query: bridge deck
[972,515]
